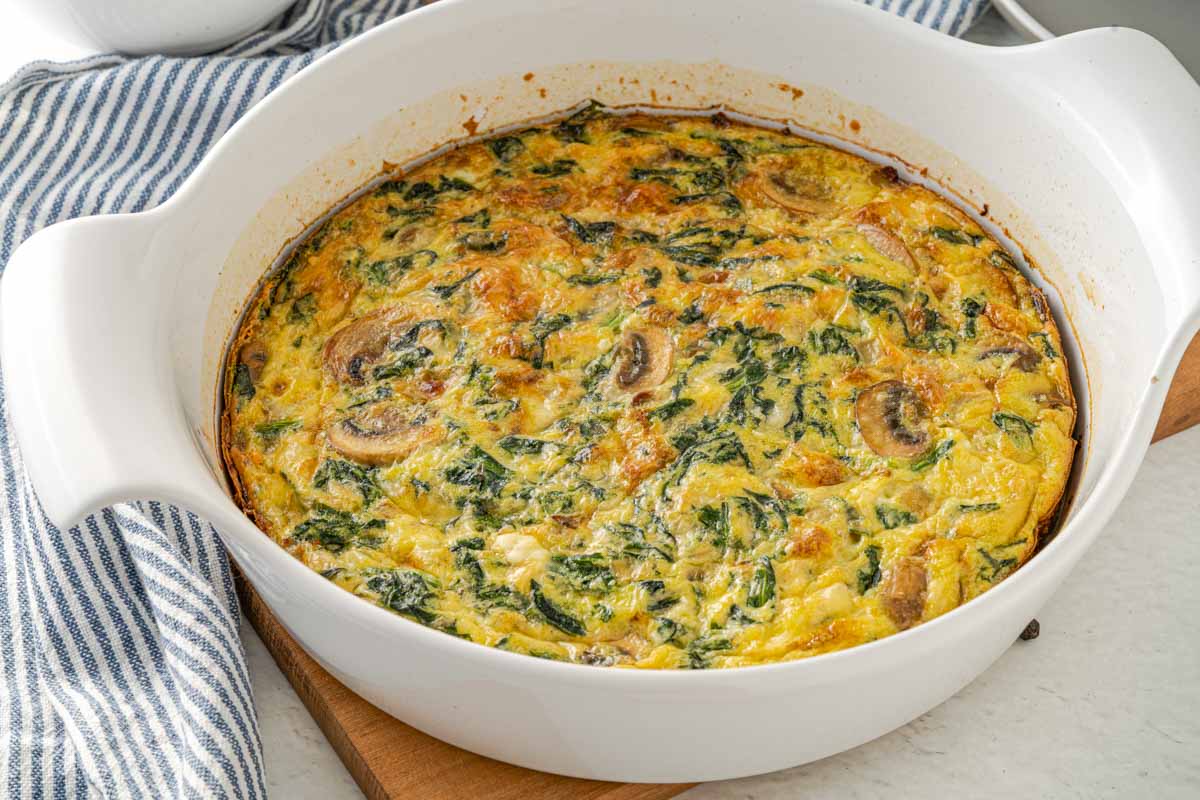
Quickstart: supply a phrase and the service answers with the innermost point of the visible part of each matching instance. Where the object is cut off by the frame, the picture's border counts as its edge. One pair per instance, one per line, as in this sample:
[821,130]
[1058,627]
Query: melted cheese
[591,391]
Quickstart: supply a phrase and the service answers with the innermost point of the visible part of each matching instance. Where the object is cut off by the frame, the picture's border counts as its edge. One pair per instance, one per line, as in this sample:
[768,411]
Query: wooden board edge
[1181,409]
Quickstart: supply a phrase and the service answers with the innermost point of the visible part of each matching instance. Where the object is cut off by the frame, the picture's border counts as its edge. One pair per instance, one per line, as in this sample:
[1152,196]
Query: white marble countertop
[1106,703]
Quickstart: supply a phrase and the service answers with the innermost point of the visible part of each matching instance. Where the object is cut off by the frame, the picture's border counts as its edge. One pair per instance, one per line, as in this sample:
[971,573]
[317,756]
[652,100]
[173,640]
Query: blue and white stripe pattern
[123,673]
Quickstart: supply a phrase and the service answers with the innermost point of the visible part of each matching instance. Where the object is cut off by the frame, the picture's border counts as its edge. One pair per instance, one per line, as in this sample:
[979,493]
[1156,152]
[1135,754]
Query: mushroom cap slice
[644,359]
[378,435]
[891,418]
[358,344]
[888,244]
[903,591]
[1025,358]
[253,355]
[802,193]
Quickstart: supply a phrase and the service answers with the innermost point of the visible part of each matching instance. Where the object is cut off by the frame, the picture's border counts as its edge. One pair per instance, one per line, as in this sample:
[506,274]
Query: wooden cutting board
[390,760]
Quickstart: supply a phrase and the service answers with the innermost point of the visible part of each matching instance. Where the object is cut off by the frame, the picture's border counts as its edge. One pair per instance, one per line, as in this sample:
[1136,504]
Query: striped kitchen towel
[123,672]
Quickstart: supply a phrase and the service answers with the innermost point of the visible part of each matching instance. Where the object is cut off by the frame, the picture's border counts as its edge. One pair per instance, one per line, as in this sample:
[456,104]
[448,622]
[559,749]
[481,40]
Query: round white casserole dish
[1083,149]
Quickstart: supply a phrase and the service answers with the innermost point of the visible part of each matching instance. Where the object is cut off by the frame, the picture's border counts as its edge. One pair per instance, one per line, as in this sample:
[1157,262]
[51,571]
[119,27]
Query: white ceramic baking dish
[1083,149]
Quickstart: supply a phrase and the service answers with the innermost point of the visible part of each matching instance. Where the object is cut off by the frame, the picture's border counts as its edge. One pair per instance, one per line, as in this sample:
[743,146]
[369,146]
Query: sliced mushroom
[888,244]
[643,359]
[903,591]
[254,356]
[1025,358]
[358,344]
[891,419]
[802,193]
[378,435]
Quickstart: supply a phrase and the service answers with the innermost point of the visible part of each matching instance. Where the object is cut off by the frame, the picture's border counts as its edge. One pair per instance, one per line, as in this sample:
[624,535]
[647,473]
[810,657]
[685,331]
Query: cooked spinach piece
[588,572]
[637,544]
[971,309]
[466,560]
[270,431]
[425,190]
[302,309]
[699,650]
[811,413]
[762,584]
[445,291]
[243,385]
[407,361]
[716,520]
[831,340]
[691,315]
[594,279]
[598,233]
[672,409]
[1047,347]
[653,277]
[786,287]
[788,358]
[556,168]
[719,449]
[553,614]
[980,507]
[869,575]
[995,568]
[542,327]
[726,200]
[361,478]
[1016,426]
[523,445]
[336,530]
[934,455]
[384,272]
[955,236]
[484,241]
[506,148]
[406,592]
[481,218]
[890,516]
[478,471]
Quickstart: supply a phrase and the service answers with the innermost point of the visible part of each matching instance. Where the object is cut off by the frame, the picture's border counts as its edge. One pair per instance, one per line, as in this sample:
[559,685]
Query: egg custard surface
[652,391]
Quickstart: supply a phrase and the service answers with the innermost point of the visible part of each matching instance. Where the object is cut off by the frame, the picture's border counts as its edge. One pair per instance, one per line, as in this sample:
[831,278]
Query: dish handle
[1144,108]
[83,343]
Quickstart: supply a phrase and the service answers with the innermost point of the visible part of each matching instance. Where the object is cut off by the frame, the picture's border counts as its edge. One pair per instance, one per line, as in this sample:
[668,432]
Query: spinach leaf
[270,431]
[933,456]
[672,409]
[522,445]
[955,236]
[445,291]
[890,516]
[302,309]
[243,385]
[336,530]
[598,233]
[361,478]
[588,572]
[404,591]
[506,148]
[980,507]
[479,471]
[1016,426]
[554,615]
[869,575]
[556,168]
[762,584]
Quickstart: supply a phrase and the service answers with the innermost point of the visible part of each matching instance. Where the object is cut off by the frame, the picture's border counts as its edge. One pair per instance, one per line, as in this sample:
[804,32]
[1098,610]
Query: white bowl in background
[138,27]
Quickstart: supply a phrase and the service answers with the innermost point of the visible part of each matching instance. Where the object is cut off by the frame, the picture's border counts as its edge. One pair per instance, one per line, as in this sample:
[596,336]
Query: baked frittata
[652,391]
